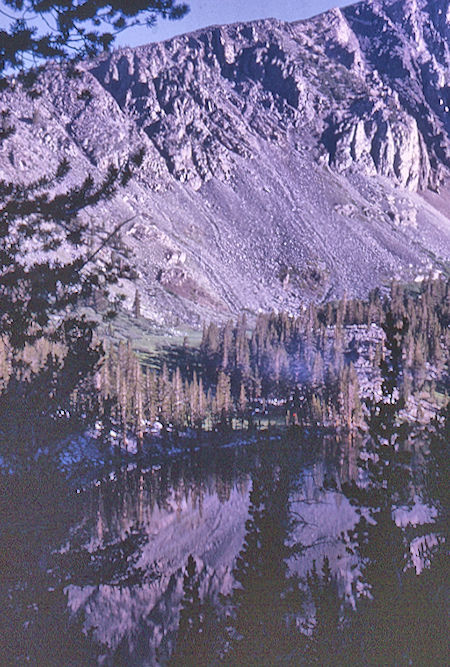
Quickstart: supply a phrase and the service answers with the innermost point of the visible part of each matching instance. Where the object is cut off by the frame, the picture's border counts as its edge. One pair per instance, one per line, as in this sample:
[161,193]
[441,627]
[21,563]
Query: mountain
[284,161]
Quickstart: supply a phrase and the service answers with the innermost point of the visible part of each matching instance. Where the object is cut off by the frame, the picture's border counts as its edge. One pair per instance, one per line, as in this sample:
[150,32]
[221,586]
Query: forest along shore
[320,370]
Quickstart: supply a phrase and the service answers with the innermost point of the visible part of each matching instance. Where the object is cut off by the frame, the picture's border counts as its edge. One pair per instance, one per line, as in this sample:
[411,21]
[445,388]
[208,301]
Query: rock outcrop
[271,150]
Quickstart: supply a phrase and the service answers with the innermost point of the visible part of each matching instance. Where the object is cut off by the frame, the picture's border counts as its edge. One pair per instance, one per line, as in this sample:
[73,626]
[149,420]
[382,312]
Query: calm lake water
[95,575]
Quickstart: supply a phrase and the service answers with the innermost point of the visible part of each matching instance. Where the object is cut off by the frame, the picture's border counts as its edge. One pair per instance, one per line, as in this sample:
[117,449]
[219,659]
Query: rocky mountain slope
[284,162]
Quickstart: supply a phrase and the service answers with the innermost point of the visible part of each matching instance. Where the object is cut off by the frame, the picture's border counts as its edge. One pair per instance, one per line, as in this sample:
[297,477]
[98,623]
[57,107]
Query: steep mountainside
[283,161]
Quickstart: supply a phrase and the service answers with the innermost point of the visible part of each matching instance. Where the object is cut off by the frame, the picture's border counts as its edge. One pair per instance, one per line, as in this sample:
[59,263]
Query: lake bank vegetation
[319,369]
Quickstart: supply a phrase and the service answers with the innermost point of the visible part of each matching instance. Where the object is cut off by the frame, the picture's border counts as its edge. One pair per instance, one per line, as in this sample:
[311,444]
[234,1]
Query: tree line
[319,368]
[302,370]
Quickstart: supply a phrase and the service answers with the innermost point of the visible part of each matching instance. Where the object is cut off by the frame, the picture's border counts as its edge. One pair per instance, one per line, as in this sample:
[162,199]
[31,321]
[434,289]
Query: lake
[97,575]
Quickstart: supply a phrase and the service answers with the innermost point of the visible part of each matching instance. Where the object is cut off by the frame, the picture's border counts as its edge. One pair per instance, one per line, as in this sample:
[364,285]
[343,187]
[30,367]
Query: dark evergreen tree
[137,304]
[427,594]
[387,458]
[37,297]
[378,633]
[82,27]
[194,646]
[326,642]
[266,597]
[35,624]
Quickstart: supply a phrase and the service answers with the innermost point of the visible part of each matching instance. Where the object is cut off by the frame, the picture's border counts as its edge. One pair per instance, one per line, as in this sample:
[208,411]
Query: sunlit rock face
[379,68]
[400,127]
[271,148]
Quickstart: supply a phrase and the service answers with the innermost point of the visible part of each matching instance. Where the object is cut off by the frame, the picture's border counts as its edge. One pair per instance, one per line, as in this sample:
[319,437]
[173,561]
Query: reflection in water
[101,575]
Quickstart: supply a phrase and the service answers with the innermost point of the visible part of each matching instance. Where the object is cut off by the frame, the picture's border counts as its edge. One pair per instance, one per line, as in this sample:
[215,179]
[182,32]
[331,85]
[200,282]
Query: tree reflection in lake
[231,537]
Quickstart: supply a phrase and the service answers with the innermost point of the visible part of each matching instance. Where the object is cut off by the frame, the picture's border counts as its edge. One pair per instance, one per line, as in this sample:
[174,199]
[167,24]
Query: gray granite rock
[315,148]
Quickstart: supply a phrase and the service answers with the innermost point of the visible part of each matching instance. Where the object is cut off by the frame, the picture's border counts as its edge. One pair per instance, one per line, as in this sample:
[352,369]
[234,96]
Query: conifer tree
[72,30]
[265,598]
[349,401]
[164,395]
[242,403]
[223,402]
[137,305]
[326,635]
[139,408]
[191,645]
[178,399]
[378,631]
[387,433]
[227,344]
[38,297]
[150,395]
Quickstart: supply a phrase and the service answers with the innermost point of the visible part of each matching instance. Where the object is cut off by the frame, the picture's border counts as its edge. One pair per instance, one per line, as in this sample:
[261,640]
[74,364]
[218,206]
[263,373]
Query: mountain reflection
[108,579]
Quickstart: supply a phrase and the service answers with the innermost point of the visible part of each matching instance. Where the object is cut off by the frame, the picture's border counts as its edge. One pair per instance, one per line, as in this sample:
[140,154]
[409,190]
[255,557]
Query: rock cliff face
[372,77]
[401,127]
[284,162]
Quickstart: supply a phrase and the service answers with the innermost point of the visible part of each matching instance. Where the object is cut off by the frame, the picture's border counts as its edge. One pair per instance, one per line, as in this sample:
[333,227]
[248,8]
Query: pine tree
[242,347]
[389,473]
[349,401]
[223,403]
[378,631]
[227,345]
[266,598]
[139,409]
[164,395]
[326,636]
[150,395]
[192,648]
[242,403]
[37,295]
[178,399]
